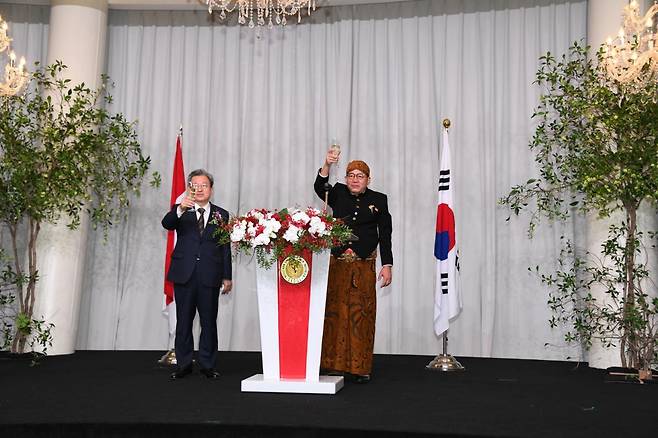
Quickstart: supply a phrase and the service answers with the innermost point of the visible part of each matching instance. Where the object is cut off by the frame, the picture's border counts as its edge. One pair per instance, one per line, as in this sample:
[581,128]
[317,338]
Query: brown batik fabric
[349,323]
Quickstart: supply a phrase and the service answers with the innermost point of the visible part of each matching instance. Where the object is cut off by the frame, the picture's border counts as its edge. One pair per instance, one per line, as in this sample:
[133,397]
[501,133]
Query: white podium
[291,302]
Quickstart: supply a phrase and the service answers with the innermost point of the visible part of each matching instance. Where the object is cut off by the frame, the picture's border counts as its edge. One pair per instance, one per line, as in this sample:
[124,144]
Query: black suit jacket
[192,250]
[366,214]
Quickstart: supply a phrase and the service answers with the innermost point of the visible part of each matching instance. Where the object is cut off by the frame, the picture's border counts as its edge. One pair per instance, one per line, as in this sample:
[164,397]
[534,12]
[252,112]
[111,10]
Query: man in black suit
[199,269]
[349,324]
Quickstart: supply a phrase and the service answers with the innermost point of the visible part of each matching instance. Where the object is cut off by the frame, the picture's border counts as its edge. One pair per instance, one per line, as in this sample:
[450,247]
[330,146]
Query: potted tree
[596,147]
[62,154]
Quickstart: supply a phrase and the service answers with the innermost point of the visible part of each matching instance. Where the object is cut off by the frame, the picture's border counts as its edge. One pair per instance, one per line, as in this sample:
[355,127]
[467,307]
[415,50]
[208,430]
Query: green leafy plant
[62,154]
[596,147]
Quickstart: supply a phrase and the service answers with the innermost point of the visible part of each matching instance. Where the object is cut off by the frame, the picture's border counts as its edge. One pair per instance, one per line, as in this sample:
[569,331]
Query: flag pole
[445,361]
[169,358]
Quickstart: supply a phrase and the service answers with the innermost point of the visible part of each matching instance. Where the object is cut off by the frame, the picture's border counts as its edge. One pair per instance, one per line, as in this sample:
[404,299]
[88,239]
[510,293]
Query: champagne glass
[191,192]
[334,149]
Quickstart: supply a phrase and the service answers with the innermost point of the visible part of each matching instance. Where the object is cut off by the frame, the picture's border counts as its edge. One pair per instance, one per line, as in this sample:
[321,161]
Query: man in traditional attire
[349,324]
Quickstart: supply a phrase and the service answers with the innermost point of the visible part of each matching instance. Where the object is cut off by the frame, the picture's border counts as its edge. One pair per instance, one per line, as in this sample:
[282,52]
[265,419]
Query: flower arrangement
[274,234]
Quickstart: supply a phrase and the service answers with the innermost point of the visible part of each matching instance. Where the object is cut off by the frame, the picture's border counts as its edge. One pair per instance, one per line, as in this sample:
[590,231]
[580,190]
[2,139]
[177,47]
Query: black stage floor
[125,394]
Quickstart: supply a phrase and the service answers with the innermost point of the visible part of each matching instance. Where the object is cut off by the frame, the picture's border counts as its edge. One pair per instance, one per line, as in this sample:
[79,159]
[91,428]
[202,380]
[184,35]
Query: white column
[77,38]
[604,17]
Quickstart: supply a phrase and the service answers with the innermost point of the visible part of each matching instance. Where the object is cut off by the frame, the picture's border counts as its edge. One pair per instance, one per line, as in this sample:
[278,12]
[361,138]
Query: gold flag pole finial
[446,123]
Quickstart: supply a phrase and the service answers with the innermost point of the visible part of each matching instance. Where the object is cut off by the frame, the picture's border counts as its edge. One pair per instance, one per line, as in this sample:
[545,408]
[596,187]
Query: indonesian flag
[447,300]
[178,191]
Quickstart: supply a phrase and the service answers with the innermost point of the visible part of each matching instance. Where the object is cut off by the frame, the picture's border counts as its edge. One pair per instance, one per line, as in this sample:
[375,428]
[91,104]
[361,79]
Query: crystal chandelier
[262,12]
[15,77]
[632,56]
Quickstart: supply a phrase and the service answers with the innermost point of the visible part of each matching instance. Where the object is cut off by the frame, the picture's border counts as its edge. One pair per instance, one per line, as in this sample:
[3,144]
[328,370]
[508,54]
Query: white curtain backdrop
[259,109]
[28,27]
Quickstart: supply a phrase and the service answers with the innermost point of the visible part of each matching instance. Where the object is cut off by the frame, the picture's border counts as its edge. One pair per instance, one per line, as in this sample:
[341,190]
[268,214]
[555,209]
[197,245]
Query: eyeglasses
[199,186]
[358,176]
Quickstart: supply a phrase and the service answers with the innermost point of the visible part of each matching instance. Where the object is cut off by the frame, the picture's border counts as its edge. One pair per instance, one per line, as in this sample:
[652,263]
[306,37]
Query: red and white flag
[178,192]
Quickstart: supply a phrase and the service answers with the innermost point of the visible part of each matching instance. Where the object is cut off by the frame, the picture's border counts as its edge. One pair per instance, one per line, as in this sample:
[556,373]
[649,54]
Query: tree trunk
[630,349]
[13,231]
[26,298]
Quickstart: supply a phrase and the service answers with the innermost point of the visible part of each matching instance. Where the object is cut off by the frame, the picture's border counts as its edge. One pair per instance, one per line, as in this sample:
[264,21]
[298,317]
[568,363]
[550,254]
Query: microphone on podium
[327,187]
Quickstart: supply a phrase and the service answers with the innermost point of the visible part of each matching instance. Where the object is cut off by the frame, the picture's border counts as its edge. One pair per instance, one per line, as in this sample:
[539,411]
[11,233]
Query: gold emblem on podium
[294,269]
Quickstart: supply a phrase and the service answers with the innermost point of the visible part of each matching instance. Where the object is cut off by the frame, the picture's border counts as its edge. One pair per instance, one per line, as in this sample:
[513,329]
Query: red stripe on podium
[294,301]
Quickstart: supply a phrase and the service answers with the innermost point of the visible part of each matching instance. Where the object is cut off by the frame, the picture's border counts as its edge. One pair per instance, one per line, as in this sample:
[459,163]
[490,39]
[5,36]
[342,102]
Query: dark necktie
[199,222]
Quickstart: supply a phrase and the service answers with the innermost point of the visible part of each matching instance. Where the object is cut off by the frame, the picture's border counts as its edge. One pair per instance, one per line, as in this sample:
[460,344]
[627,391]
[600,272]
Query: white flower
[256,214]
[292,234]
[238,232]
[300,216]
[261,239]
[251,230]
[318,227]
[272,226]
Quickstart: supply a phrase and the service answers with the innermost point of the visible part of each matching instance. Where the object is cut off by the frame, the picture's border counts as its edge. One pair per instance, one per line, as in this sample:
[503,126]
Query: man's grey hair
[200,172]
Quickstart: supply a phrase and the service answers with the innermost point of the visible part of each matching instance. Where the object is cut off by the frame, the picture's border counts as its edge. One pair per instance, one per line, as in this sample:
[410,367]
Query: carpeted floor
[125,394]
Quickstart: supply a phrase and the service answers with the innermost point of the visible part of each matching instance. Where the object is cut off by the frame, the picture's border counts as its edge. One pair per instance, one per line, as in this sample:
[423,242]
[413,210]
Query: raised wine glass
[334,149]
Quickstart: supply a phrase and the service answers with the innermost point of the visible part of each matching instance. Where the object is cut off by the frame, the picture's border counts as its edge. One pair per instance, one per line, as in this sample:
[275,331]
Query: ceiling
[190,4]
[193,4]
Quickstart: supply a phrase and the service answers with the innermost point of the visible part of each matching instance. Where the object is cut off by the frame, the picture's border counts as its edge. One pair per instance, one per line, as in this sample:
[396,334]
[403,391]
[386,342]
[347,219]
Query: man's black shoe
[365,378]
[209,373]
[181,372]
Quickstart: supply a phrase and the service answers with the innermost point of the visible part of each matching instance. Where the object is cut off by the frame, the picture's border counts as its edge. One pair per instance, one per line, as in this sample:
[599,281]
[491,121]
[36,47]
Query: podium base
[326,385]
